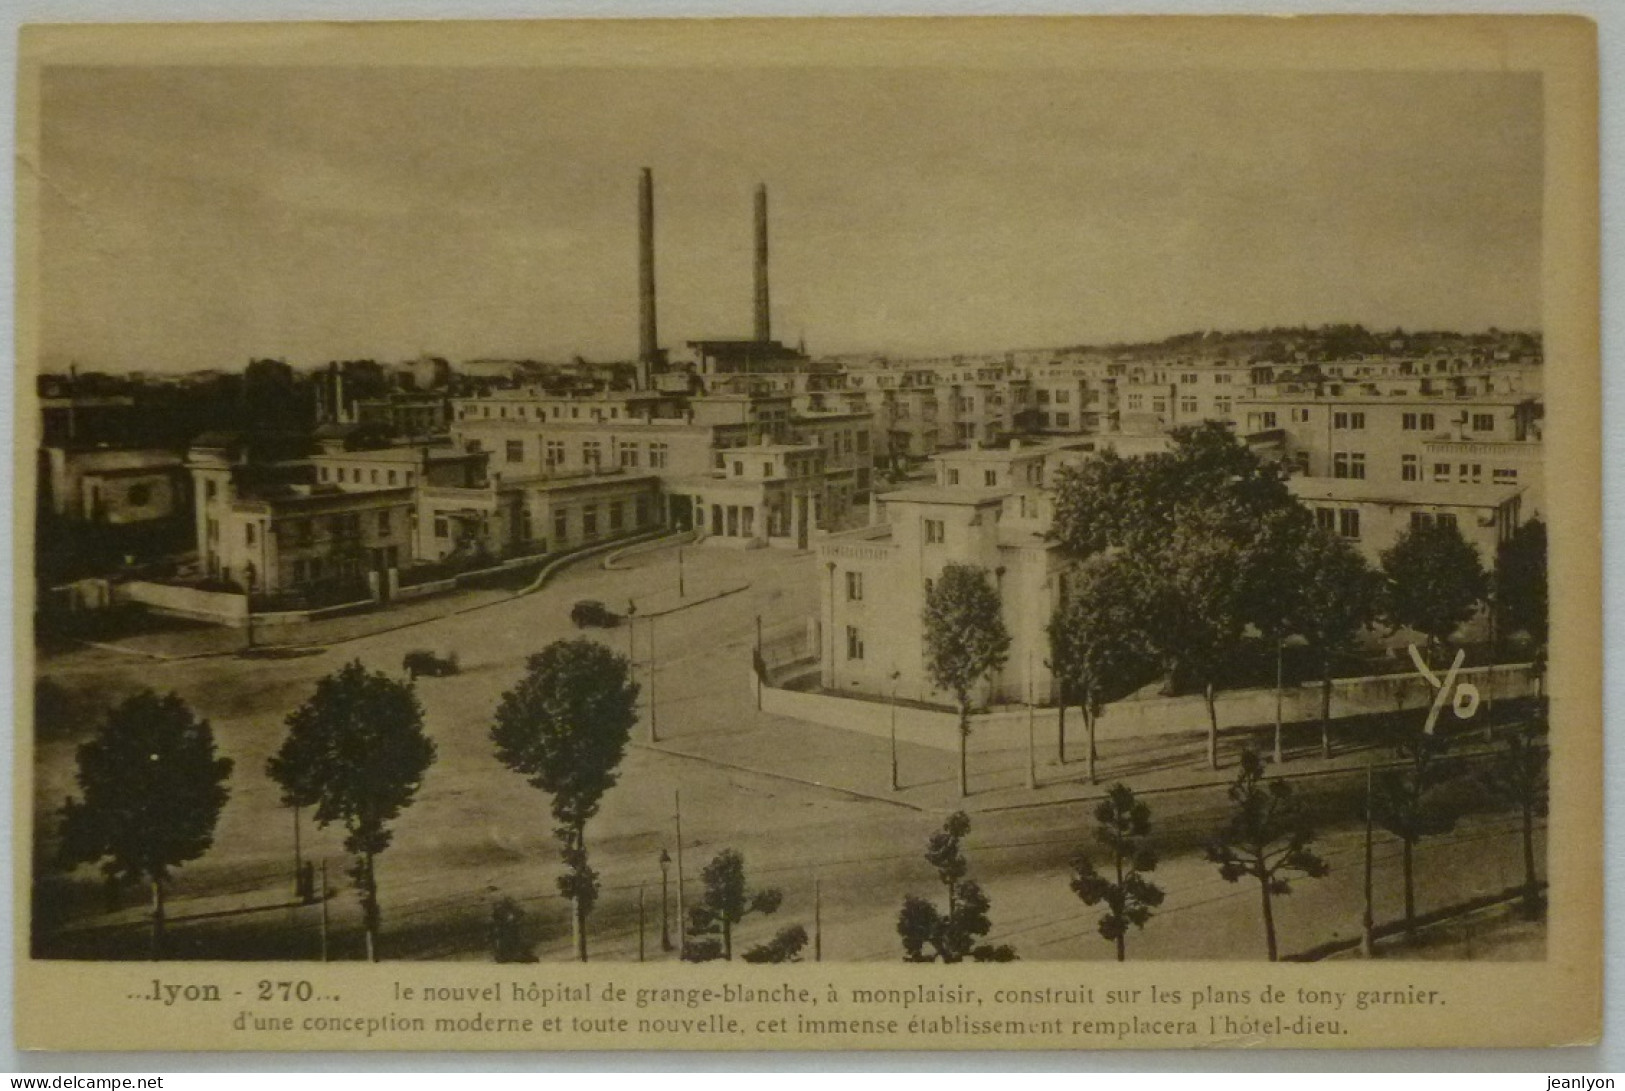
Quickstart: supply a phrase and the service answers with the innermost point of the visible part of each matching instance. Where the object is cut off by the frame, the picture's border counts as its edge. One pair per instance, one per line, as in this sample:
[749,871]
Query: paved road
[478,832]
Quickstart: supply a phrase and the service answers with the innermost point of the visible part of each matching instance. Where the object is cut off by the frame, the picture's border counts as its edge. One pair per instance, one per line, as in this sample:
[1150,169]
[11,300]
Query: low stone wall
[220,607]
[1142,717]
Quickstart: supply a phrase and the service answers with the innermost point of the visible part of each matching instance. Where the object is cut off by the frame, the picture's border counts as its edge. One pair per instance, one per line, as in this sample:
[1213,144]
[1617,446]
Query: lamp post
[895,675]
[665,876]
[248,604]
[680,592]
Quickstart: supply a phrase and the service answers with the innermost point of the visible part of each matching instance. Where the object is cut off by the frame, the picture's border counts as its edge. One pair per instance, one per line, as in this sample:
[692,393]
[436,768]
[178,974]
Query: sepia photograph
[636,506]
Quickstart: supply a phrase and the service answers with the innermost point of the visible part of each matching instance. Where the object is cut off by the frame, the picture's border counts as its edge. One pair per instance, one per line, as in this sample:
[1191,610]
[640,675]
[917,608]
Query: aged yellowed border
[1558,1001]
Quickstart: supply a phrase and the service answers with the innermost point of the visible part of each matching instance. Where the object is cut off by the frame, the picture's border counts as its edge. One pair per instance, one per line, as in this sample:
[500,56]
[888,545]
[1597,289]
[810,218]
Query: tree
[1190,525]
[724,903]
[785,946]
[1522,598]
[1335,595]
[1434,582]
[1267,838]
[1097,651]
[1518,776]
[1405,803]
[152,790]
[1193,592]
[951,936]
[1129,896]
[965,641]
[564,728]
[356,752]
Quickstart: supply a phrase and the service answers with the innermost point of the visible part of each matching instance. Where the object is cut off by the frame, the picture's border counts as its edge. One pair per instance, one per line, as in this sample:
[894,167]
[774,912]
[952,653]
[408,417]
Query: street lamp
[680,592]
[665,875]
[895,675]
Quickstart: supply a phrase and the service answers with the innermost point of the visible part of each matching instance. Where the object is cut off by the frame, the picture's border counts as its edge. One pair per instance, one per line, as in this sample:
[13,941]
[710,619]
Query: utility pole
[640,922]
[1032,736]
[682,928]
[653,735]
[681,594]
[323,893]
[895,674]
[298,860]
[758,663]
[1279,678]
[665,927]
[818,920]
[1367,919]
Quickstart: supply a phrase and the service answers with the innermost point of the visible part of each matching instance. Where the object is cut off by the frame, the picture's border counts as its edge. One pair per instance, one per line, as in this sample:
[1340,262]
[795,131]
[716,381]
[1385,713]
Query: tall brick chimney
[648,338]
[764,321]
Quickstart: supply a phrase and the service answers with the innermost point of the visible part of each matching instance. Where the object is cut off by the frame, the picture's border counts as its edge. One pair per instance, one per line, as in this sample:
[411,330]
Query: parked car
[422,661]
[590,613]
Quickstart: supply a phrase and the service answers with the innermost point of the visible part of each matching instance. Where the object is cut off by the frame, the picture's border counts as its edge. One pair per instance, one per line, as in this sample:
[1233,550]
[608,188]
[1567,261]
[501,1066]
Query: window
[953,477]
[1062,397]
[1136,402]
[1504,477]
[555,453]
[1300,416]
[383,524]
[935,532]
[516,450]
[1159,405]
[1325,518]
[854,587]
[442,529]
[1483,422]
[657,456]
[1350,464]
[863,443]
[642,509]
[339,473]
[1221,379]
[589,521]
[1043,397]
[1409,468]
[1221,405]
[739,467]
[561,526]
[373,477]
[1348,523]
[1407,422]
[1473,472]
[1266,420]
[629,455]
[1348,421]
[1063,420]
[854,643]
[393,476]
[1188,378]
[592,453]
[990,478]
[248,533]
[1421,519]
[617,515]
[1187,405]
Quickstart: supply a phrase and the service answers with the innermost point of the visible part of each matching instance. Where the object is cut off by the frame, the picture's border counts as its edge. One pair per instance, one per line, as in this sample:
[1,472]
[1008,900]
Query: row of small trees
[1174,558]
[1267,838]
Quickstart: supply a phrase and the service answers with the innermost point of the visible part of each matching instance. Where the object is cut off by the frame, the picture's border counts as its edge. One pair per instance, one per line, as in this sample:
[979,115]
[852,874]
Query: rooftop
[939,494]
[1415,493]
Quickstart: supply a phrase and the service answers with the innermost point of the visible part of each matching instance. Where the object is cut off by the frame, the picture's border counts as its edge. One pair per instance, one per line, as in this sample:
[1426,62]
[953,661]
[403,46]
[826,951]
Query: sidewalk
[860,765]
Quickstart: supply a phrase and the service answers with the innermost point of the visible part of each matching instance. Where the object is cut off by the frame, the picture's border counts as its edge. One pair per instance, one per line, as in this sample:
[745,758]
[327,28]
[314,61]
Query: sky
[200,217]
